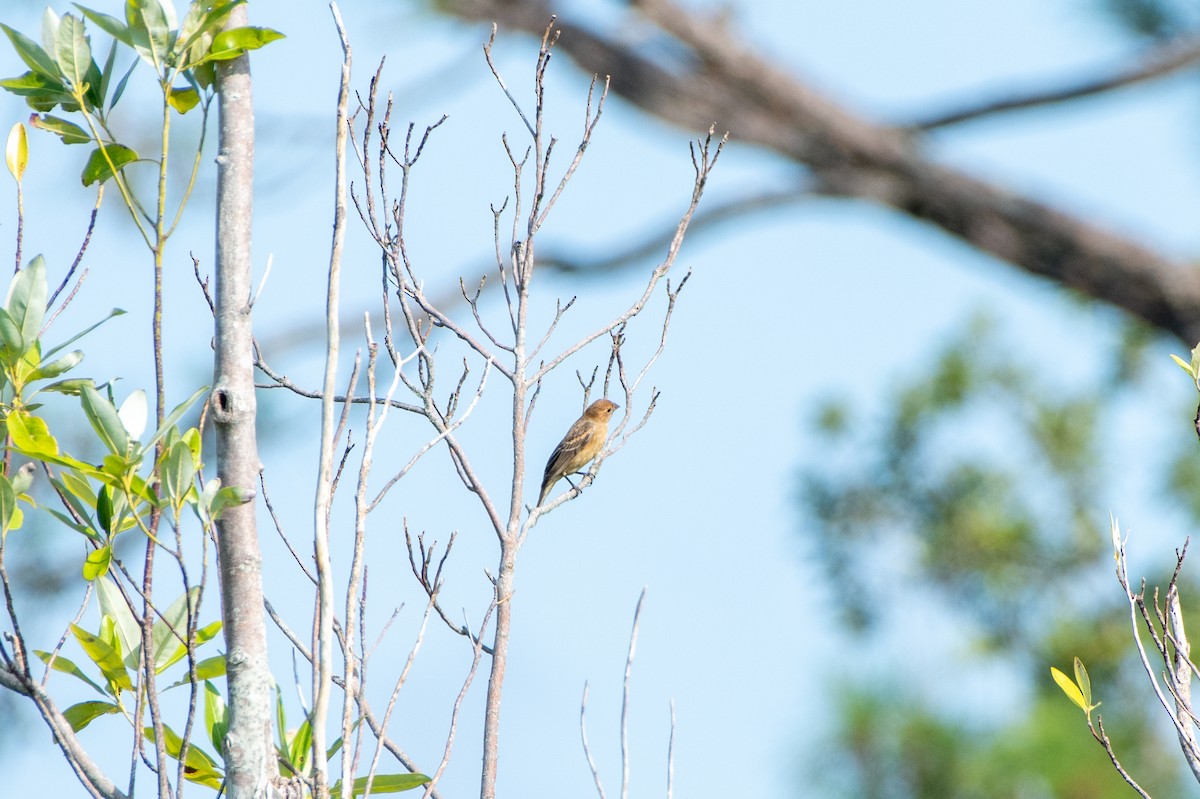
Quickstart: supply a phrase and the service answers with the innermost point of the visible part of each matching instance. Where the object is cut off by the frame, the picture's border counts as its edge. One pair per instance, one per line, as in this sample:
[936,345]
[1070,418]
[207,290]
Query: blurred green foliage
[978,490]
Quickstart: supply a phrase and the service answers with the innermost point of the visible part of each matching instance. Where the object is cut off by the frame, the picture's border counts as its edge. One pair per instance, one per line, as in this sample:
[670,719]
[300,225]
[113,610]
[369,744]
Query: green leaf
[116,612]
[16,151]
[149,30]
[8,504]
[32,54]
[205,670]
[84,713]
[73,51]
[120,472]
[211,667]
[105,420]
[110,25]
[175,415]
[26,301]
[178,472]
[228,497]
[229,44]
[201,23]
[300,746]
[1083,681]
[41,93]
[120,90]
[19,372]
[49,30]
[383,783]
[74,386]
[183,100]
[31,437]
[94,80]
[335,747]
[1070,689]
[1195,364]
[281,731]
[170,631]
[10,337]
[69,522]
[192,438]
[55,368]
[198,766]
[216,717]
[107,659]
[84,332]
[104,509]
[97,167]
[66,666]
[97,562]
[106,74]
[69,132]
[76,487]
[205,74]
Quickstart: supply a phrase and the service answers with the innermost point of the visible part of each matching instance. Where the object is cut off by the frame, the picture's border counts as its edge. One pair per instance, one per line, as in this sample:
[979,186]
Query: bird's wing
[574,441]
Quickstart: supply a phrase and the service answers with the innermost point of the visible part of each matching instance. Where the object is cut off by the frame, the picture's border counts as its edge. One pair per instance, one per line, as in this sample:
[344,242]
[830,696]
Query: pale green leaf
[133,413]
[105,420]
[66,666]
[383,783]
[1069,688]
[107,659]
[110,25]
[114,608]
[26,301]
[32,54]
[175,415]
[198,766]
[97,562]
[73,51]
[216,718]
[84,713]
[16,151]
[183,99]
[8,504]
[1083,681]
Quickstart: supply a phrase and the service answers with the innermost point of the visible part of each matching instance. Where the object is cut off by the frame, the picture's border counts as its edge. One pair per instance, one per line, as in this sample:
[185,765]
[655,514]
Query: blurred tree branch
[726,81]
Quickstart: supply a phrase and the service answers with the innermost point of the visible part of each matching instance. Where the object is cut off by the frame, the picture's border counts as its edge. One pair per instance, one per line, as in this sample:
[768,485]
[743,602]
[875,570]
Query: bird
[581,443]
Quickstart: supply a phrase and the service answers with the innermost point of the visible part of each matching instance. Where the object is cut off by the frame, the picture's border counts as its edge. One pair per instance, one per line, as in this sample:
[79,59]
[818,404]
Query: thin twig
[587,750]
[637,616]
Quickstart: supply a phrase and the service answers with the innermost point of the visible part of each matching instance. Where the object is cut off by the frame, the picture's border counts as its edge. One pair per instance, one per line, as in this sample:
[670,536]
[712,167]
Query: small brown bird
[581,443]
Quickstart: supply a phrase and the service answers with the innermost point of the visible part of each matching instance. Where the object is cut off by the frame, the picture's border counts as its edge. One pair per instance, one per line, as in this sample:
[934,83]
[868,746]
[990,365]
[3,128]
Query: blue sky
[827,298]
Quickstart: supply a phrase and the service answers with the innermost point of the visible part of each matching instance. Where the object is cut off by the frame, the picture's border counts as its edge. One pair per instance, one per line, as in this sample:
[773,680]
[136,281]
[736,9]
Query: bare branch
[323,646]
[87,237]
[462,694]
[1137,606]
[89,774]
[671,755]
[705,154]
[587,750]
[1164,59]
[1102,737]
[433,442]
[728,80]
[487,52]
[637,616]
